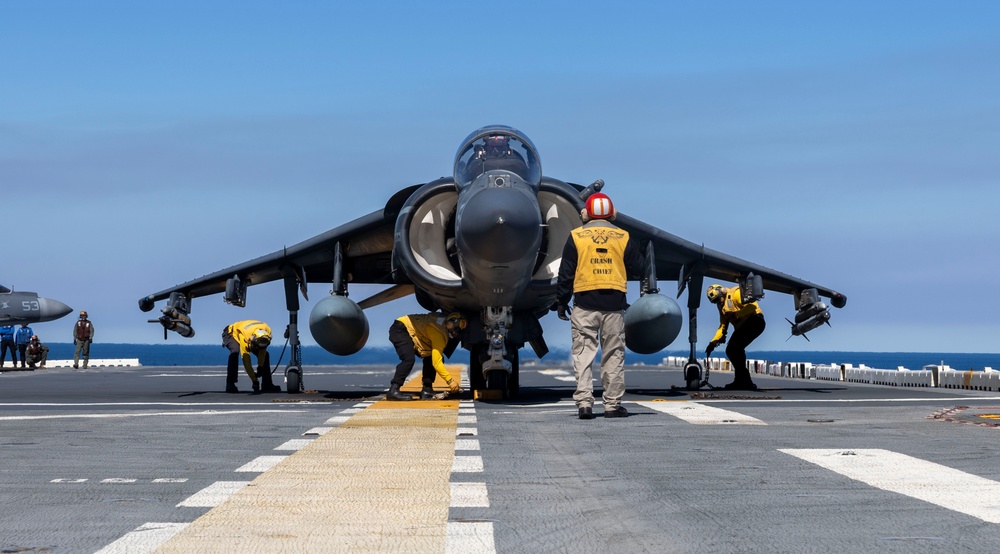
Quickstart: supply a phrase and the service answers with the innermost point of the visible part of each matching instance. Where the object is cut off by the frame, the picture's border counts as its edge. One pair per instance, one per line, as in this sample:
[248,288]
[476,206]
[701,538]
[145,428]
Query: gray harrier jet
[486,242]
[18,307]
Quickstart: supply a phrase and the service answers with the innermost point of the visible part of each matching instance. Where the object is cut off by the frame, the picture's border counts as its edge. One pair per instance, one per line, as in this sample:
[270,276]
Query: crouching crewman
[36,353]
[243,338]
[426,336]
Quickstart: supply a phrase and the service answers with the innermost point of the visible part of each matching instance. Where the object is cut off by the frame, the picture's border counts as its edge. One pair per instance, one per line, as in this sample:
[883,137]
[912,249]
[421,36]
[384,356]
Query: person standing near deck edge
[596,261]
[83,335]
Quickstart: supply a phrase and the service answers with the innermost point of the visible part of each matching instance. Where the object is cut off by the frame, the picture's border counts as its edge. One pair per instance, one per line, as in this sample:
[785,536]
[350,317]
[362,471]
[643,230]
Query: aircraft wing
[675,255]
[366,245]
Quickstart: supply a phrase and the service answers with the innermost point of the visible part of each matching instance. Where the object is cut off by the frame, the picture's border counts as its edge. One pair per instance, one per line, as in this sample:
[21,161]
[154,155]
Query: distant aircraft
[486,242]
[28,307]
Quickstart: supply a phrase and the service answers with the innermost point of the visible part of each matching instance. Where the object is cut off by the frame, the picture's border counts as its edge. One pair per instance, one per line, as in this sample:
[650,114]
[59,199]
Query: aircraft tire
[497,380]
[476,379]
[692,374]
[513,380]
[293,378]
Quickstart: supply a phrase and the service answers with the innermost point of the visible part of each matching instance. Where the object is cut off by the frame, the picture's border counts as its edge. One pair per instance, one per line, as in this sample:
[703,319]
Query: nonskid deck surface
[161,458]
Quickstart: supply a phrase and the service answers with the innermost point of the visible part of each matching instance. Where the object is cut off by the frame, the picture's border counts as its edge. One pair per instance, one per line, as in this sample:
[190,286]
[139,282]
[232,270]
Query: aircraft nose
[50,309]
[500,225]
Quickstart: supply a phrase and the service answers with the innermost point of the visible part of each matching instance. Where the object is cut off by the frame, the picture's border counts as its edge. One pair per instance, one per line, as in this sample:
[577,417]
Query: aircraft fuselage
[18,307]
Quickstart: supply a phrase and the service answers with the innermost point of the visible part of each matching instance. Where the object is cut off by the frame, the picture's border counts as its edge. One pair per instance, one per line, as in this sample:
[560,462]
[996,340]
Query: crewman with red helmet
[596,261]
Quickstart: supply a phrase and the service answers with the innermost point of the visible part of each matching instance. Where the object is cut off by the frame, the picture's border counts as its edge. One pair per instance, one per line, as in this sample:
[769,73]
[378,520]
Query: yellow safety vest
[733,310]
[243,331]
[430,337]
[600,257]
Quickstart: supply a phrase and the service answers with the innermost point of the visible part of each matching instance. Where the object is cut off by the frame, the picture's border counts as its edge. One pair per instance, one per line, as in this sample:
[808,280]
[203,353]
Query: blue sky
[853,144]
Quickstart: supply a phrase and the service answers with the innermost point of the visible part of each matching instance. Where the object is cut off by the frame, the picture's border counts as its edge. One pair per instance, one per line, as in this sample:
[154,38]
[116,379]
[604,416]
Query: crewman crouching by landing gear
[36,353]
[426,336]
[748,322]
[243,338]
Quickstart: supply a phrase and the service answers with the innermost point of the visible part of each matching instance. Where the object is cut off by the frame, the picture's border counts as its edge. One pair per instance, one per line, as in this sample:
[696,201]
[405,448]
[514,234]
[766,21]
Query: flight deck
[144,459]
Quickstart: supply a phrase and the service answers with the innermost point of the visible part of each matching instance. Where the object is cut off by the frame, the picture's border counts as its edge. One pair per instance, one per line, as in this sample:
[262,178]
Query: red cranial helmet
[599,206]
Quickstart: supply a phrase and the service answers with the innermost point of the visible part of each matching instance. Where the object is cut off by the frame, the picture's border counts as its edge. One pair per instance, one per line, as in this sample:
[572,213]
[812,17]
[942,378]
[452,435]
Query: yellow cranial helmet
[456,321]
[262,338]
[715,292]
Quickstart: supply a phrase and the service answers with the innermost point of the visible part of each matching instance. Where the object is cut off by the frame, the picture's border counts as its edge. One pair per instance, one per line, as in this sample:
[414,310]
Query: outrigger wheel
[293,380]
[692,375]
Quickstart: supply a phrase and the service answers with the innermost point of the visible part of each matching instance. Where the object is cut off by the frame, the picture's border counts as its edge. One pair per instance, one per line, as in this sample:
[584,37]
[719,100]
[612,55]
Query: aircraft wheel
[476,379]
[497,380]
[293,380]
[692,374]
[513,380]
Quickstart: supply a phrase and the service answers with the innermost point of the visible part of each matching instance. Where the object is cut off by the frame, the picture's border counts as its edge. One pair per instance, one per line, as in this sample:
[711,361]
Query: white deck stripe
[317,431]
[470,538]
[213,495]
[913,477]
[699,414]
[157,414]
[260,464]
[294,444]
[146,538]
[466,444]
[469,495]
[467,464]
[467,419]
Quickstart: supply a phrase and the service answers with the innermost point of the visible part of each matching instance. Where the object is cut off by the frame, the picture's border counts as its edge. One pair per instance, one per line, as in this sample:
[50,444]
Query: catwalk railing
[941,376]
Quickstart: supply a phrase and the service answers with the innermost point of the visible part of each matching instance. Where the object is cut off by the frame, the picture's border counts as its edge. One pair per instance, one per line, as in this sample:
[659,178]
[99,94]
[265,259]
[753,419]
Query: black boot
[267,385]
[394,394]
[427,393]
[741,385]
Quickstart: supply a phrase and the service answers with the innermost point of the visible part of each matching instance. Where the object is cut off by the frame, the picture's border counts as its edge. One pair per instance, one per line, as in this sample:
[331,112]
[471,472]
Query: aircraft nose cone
[50,309]
[500,225]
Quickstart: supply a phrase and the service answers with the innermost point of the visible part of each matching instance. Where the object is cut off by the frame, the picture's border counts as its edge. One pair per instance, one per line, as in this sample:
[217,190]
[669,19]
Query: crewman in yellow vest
[596,262]
[243,338]
[748,324]
[426,336]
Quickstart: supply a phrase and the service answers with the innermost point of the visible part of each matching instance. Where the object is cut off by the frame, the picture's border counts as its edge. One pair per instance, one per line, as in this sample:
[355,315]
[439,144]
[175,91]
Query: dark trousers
[22,348]
[263,369]
[736,350]
[5,345]
[403,343]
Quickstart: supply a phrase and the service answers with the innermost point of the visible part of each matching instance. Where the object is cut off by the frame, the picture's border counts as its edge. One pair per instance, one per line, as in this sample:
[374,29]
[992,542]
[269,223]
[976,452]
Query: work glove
[564,312]
[452,385]
[711,347]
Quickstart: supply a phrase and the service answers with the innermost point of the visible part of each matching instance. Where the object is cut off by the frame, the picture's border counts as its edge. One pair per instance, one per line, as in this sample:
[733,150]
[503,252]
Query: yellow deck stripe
[415,385]
[379,481]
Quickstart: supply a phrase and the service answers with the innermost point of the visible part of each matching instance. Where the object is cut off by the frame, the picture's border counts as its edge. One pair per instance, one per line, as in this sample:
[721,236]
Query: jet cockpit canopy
[497,148]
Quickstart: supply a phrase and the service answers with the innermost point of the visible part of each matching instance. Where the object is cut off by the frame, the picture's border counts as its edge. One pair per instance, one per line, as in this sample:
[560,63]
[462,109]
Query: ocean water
[205,355]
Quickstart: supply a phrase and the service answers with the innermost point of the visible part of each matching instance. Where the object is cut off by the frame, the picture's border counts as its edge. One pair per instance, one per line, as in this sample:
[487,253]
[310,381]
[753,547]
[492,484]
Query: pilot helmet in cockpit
[497,146]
